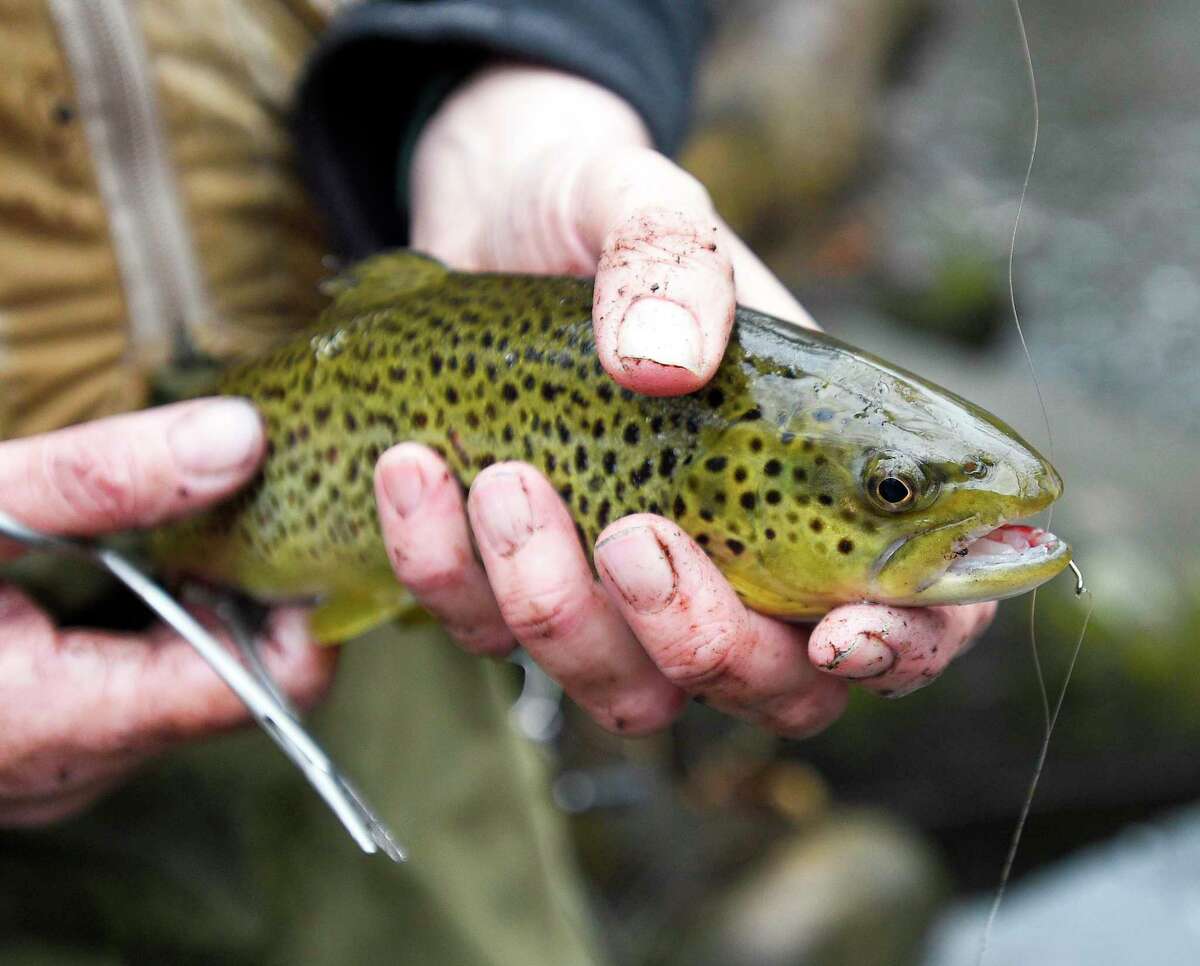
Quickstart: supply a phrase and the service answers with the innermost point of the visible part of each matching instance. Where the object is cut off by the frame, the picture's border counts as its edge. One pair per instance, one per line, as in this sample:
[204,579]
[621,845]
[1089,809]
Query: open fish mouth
[1011,546]
[1000,562]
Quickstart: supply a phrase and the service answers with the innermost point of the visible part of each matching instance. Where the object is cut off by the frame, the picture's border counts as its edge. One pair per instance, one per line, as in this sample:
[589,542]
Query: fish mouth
[1010,546]
[1001,561]
[988,562]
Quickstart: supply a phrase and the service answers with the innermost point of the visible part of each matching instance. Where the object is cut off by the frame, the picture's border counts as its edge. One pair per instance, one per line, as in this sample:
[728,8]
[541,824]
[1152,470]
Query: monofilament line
[1049,718]
[1033,783]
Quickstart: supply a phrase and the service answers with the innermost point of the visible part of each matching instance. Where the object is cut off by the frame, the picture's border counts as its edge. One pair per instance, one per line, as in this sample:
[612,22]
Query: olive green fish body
[775,467]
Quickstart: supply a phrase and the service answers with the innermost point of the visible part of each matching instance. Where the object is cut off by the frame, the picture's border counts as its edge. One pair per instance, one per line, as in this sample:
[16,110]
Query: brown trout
[812,473]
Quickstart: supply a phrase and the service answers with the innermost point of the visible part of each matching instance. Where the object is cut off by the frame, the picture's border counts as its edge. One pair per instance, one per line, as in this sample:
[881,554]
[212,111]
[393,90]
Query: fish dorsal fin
[381,279]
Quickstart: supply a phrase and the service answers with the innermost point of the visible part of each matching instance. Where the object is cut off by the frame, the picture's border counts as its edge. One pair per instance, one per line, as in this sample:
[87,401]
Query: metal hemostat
[271,712]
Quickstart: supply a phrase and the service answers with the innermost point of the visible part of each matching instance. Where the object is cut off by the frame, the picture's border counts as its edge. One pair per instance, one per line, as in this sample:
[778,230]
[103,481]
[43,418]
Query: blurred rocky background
[873,151]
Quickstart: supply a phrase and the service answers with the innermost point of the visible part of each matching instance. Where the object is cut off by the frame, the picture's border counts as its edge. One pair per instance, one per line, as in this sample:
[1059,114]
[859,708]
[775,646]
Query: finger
[895,650]
[664,293]
[45,810]
[425,530]
[133,695]
[553,605]
[703,639]
[133,470]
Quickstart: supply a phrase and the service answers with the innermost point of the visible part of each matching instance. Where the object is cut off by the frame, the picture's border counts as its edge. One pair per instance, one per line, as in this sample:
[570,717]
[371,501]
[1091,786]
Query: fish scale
[764,466]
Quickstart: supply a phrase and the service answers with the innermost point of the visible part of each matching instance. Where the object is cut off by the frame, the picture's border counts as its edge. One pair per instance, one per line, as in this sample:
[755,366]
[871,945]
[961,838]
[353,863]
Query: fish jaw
[993,563]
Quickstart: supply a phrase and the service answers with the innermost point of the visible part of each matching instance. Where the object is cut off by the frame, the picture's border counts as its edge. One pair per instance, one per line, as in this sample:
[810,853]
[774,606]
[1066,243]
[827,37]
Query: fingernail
[503,512]
[216,437]
[403,485]
[636,562]
[660,331]
[866,656]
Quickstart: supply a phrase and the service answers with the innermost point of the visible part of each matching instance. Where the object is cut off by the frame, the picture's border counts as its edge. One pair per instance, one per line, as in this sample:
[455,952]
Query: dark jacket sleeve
[381,70]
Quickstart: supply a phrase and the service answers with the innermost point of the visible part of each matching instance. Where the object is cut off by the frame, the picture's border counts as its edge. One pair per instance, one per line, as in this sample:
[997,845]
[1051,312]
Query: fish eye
[895,483]
[894,491]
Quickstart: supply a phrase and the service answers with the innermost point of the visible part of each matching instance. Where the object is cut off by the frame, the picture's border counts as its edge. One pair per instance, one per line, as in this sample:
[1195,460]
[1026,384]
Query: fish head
[849,479]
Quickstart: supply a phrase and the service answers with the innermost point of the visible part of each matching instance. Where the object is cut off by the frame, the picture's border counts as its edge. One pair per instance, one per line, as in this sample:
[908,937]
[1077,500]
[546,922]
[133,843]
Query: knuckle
[554,613]
[635,166]
[104,486]
[436,579]
[810,716]
[482,640]
[707,657]
[636,713]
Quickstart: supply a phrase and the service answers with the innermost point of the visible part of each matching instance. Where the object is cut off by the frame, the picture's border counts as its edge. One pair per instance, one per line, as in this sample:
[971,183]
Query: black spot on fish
[715,464]
[632,434]
[816,525]
[748,501]
[581,458]
[666,463]
[739,475]
[642,473]
[773,468]
[609,462]
[715,398]
[825,499]
[735,546]
[773,496]
[509,392]
[845,546]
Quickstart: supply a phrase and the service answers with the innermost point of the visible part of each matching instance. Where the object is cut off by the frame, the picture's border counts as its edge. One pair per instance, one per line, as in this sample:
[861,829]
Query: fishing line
[1050,717]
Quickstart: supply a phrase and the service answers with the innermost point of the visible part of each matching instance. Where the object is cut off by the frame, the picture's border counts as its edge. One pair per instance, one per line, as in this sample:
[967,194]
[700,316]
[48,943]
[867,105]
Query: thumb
[664,295]
[133,470]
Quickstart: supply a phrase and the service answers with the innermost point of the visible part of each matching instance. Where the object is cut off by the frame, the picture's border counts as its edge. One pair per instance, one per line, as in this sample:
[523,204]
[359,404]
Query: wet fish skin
[775,467]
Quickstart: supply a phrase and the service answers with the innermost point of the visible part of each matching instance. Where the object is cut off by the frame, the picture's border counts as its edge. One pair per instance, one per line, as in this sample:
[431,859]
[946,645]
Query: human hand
[526,169]
[79,709]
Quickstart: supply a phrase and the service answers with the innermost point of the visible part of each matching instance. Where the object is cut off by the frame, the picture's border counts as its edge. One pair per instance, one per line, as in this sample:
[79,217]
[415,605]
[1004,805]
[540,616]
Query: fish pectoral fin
[350,611]
[378,281]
